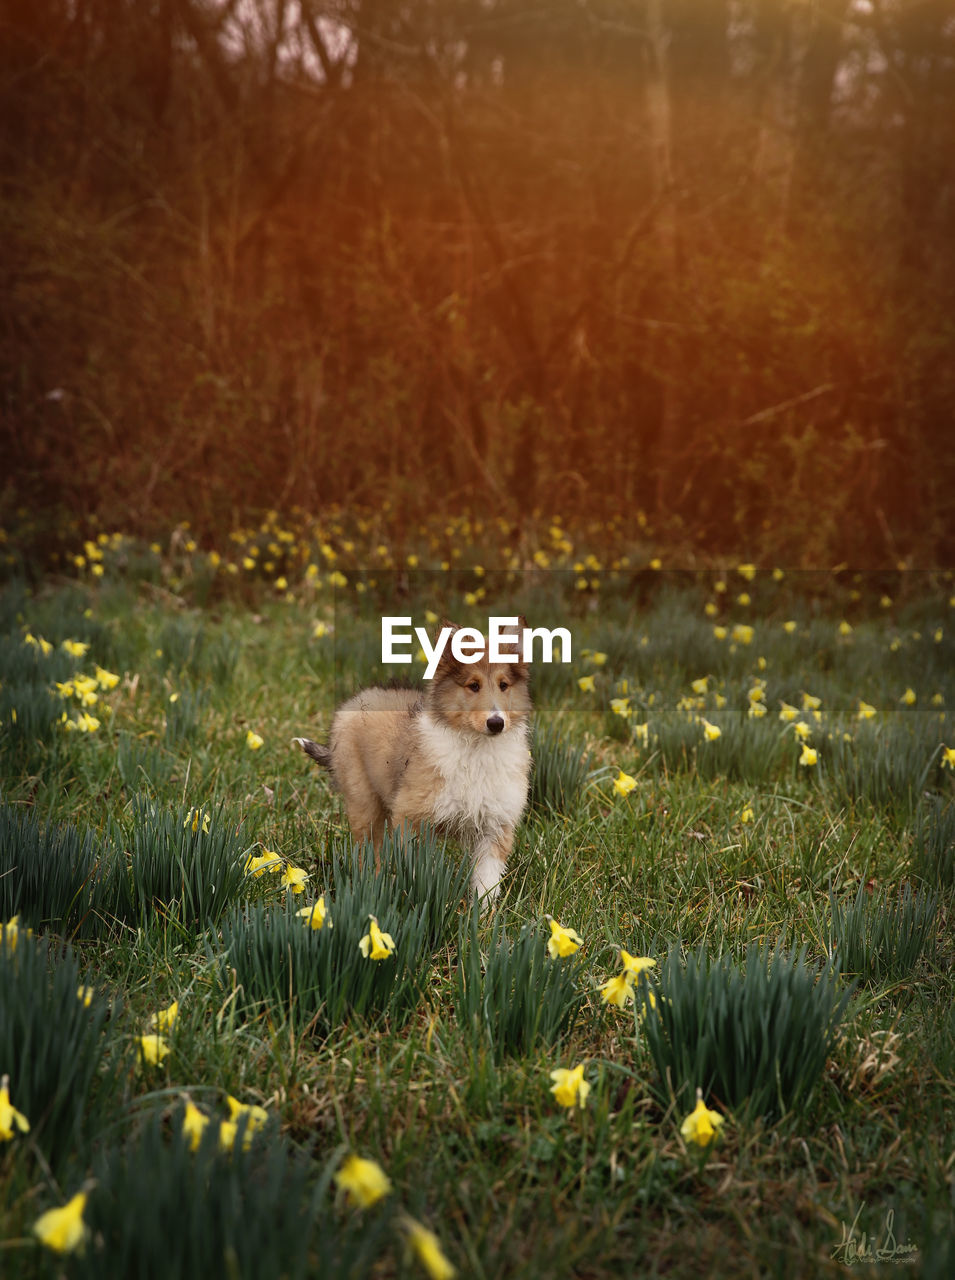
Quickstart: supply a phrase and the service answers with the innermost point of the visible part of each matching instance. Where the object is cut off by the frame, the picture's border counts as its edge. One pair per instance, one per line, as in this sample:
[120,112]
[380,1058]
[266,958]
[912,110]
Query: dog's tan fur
[403,757]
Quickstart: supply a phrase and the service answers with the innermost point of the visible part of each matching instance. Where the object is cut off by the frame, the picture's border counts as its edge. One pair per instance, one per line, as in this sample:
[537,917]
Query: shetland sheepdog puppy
[454,754]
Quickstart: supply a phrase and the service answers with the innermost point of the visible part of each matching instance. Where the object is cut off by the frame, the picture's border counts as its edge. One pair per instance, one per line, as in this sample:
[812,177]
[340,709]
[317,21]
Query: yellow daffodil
[909,698]
[164,1019]
[62,1230]
[10,932]
[363,1181]
[620,706]
[747,815]
[586,684]
[866,710]
[562,942]
[711,609]
[641,732]
[597,658]
[315,916]
[569,1087]
[700,685]
[788,712]
[376,945]
[742,633]
[810,702]
[294,878]
[255,1117]
[845,628]
[617,990]
[257,865]
[744,599]
[809,756]
[802,730]
[85,995]
[194,1123]
[756,710]
[757,693]
[253,740]
[624,783]
[720,633]
[701,1125]
[76,648]
[10,1117]
[747,571]
[948,757]
[427,1248]
[198,820]
[633,966]
[105,679]
[152,1049]
[710,731]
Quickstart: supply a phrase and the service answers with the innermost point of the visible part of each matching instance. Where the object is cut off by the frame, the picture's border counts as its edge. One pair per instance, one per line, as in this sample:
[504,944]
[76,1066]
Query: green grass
[744,873]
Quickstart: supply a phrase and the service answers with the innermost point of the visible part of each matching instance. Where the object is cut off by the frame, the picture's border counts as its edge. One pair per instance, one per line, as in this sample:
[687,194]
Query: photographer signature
[860,1247]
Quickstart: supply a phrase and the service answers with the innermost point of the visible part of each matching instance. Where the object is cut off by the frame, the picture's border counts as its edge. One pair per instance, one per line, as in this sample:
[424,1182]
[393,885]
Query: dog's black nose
[495,724]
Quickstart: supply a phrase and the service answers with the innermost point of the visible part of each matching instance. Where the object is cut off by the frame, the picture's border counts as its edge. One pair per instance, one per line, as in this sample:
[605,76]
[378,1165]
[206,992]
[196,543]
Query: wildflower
[747,571]
[743,634]
[62,1230]
[758,692]
[562,942]
[257,865]
[196,818]
[617,990]
[164,1019]
[744,599]
[710,731]
[623,784]
[620,706]
[909,697]
[105,679]
[633,966]
[711,609]
[642,731]
[656,564]
[85,996]
[747,815]
[787,711]
[719,633]
[586,684]
[866,710]
[948,757]
[809,756]
[253,740]
[153,1049]
[569,1087]
[699,685]
[10,1117]
[320,630]
[315,916]
[802,730]
[255,1117]
[701,1125]
[194,1123]
[756,710]
[76,648]
[376,945]
[938,699]
[363,1181]
[10,932]
[597,658]
[427,1248]
[294,878]
[810,702]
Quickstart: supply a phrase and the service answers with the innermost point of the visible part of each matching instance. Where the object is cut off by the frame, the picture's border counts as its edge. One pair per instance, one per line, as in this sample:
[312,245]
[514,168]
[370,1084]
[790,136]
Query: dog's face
[482,697]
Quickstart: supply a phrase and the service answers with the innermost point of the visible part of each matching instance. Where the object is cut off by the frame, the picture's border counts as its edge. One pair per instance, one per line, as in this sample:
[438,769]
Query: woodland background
[688,262]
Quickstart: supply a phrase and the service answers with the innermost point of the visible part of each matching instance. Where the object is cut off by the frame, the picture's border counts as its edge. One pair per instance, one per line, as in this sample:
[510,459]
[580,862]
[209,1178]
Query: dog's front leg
[490,859]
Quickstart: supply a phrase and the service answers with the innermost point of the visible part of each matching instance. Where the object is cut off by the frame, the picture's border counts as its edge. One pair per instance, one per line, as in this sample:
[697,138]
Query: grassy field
[742,775]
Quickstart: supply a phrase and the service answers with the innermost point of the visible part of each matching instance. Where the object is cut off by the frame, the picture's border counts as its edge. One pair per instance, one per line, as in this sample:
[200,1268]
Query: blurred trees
[689,257]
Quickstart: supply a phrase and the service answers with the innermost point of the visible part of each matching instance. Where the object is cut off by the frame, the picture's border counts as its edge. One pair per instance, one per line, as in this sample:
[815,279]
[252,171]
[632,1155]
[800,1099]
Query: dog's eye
[504,685]
[475,686]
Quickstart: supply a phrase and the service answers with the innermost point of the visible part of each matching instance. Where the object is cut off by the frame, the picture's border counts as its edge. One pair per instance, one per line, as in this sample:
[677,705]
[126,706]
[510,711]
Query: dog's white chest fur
[483,778]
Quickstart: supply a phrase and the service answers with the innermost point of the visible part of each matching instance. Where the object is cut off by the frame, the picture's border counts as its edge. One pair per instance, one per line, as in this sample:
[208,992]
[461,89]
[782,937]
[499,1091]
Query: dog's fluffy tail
[314,749]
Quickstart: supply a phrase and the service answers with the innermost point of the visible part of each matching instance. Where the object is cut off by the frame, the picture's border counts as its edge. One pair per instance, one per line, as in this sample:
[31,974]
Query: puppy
[454,754]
